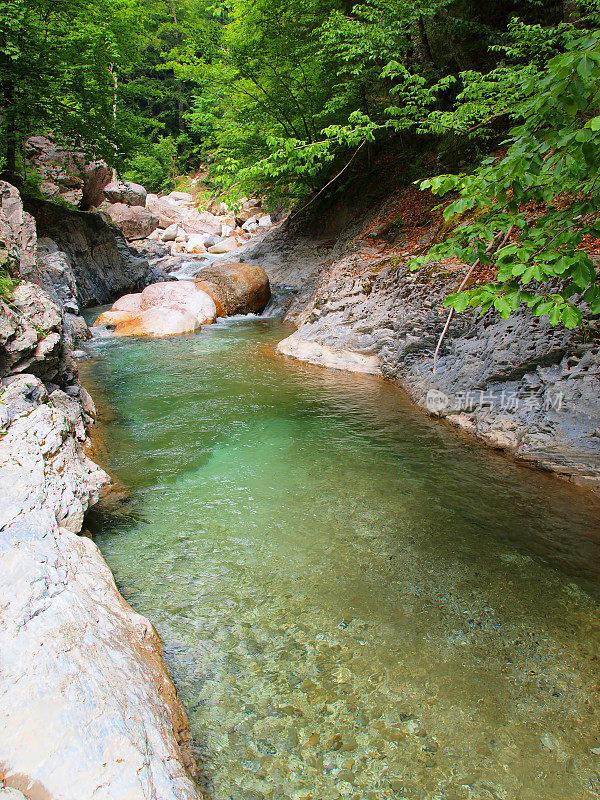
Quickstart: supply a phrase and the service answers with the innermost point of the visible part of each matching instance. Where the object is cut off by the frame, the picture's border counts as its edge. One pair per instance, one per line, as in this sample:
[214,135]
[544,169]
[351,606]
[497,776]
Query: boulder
[75,330]
[265,221]
[195,243]
[170,233]
[113,317]
[247,213]
[236,288]
[67,173]
[129,302]
[184,295]
[131,194]
[225,246]
[167,211]
[212,240]
[170,212]
[162,309]
[95,177]
[159,321]
[181,197]
[134,222]
[226,230]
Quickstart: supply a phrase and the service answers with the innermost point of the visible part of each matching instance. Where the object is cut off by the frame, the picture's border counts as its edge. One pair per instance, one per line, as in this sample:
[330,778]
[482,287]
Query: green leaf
[554,316]
[582,275]
[594,123]
[459,302]
[571,316]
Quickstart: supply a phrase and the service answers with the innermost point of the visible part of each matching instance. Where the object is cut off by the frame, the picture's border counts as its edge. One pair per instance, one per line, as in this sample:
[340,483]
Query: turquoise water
[355,600]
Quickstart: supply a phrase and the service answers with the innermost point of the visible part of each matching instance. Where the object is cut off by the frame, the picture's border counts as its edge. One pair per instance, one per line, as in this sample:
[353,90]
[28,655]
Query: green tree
[540,200]
[57,62]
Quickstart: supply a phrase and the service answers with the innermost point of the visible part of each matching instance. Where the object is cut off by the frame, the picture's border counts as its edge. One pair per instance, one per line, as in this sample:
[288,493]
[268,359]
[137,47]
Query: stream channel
[355,600]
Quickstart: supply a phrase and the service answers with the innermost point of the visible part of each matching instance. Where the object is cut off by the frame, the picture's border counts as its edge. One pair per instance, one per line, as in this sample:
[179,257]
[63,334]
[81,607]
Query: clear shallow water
[355,601]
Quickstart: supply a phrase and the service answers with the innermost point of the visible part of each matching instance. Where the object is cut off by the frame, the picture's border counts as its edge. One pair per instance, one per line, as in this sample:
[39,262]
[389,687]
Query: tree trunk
[420,40]
[12,138]
[115,77]
[571,10]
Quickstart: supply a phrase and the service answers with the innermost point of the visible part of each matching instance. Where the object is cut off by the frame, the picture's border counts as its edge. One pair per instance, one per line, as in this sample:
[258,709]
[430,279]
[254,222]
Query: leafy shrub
[156,168]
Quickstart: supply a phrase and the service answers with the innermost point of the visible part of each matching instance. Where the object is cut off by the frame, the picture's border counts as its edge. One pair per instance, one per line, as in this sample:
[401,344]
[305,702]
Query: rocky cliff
[92,255]
[520,385]
[87,709]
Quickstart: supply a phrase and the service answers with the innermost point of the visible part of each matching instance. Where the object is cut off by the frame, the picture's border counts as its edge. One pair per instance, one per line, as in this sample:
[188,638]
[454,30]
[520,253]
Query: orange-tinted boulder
[162,309]
[236,288]
[112,317]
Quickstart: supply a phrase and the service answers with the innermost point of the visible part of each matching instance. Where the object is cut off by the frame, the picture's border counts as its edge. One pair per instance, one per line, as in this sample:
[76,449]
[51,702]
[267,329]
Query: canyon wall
[87,709]
[518,384]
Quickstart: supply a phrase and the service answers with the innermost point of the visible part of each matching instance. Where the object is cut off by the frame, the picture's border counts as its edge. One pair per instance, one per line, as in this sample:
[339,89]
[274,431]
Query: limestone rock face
[134,222]
[82,256]
[18,235]
[236,288]
[86,707]
[518,384]
[131,194]
[67,173]
[315,353]
[31,334]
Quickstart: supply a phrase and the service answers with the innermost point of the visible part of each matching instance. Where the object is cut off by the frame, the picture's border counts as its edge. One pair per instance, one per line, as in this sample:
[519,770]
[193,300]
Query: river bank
[519,385]
[87,707]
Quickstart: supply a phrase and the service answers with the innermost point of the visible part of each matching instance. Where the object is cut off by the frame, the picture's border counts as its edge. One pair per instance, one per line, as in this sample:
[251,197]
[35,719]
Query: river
[356,601]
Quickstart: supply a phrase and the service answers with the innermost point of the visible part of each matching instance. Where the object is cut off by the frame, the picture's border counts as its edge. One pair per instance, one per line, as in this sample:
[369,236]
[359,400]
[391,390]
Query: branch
[498,242]
[335,177]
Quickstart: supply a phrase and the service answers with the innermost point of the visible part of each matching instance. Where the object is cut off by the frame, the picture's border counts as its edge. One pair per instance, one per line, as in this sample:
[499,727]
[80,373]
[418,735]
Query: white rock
[160,321]
[226,230]
[315,353]
[250,221]
[181,197]
[135,222]
[180,295]
[265,221]
[195,243]
[226,246]
[7,793]
[169,212]
[170,233]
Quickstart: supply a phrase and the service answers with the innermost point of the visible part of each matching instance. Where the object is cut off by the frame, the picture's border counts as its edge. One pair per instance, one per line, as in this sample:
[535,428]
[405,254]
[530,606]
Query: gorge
[299,400]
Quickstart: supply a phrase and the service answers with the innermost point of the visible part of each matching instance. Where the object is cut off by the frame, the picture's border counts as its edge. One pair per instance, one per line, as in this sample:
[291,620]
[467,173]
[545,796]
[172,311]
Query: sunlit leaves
[552,162]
